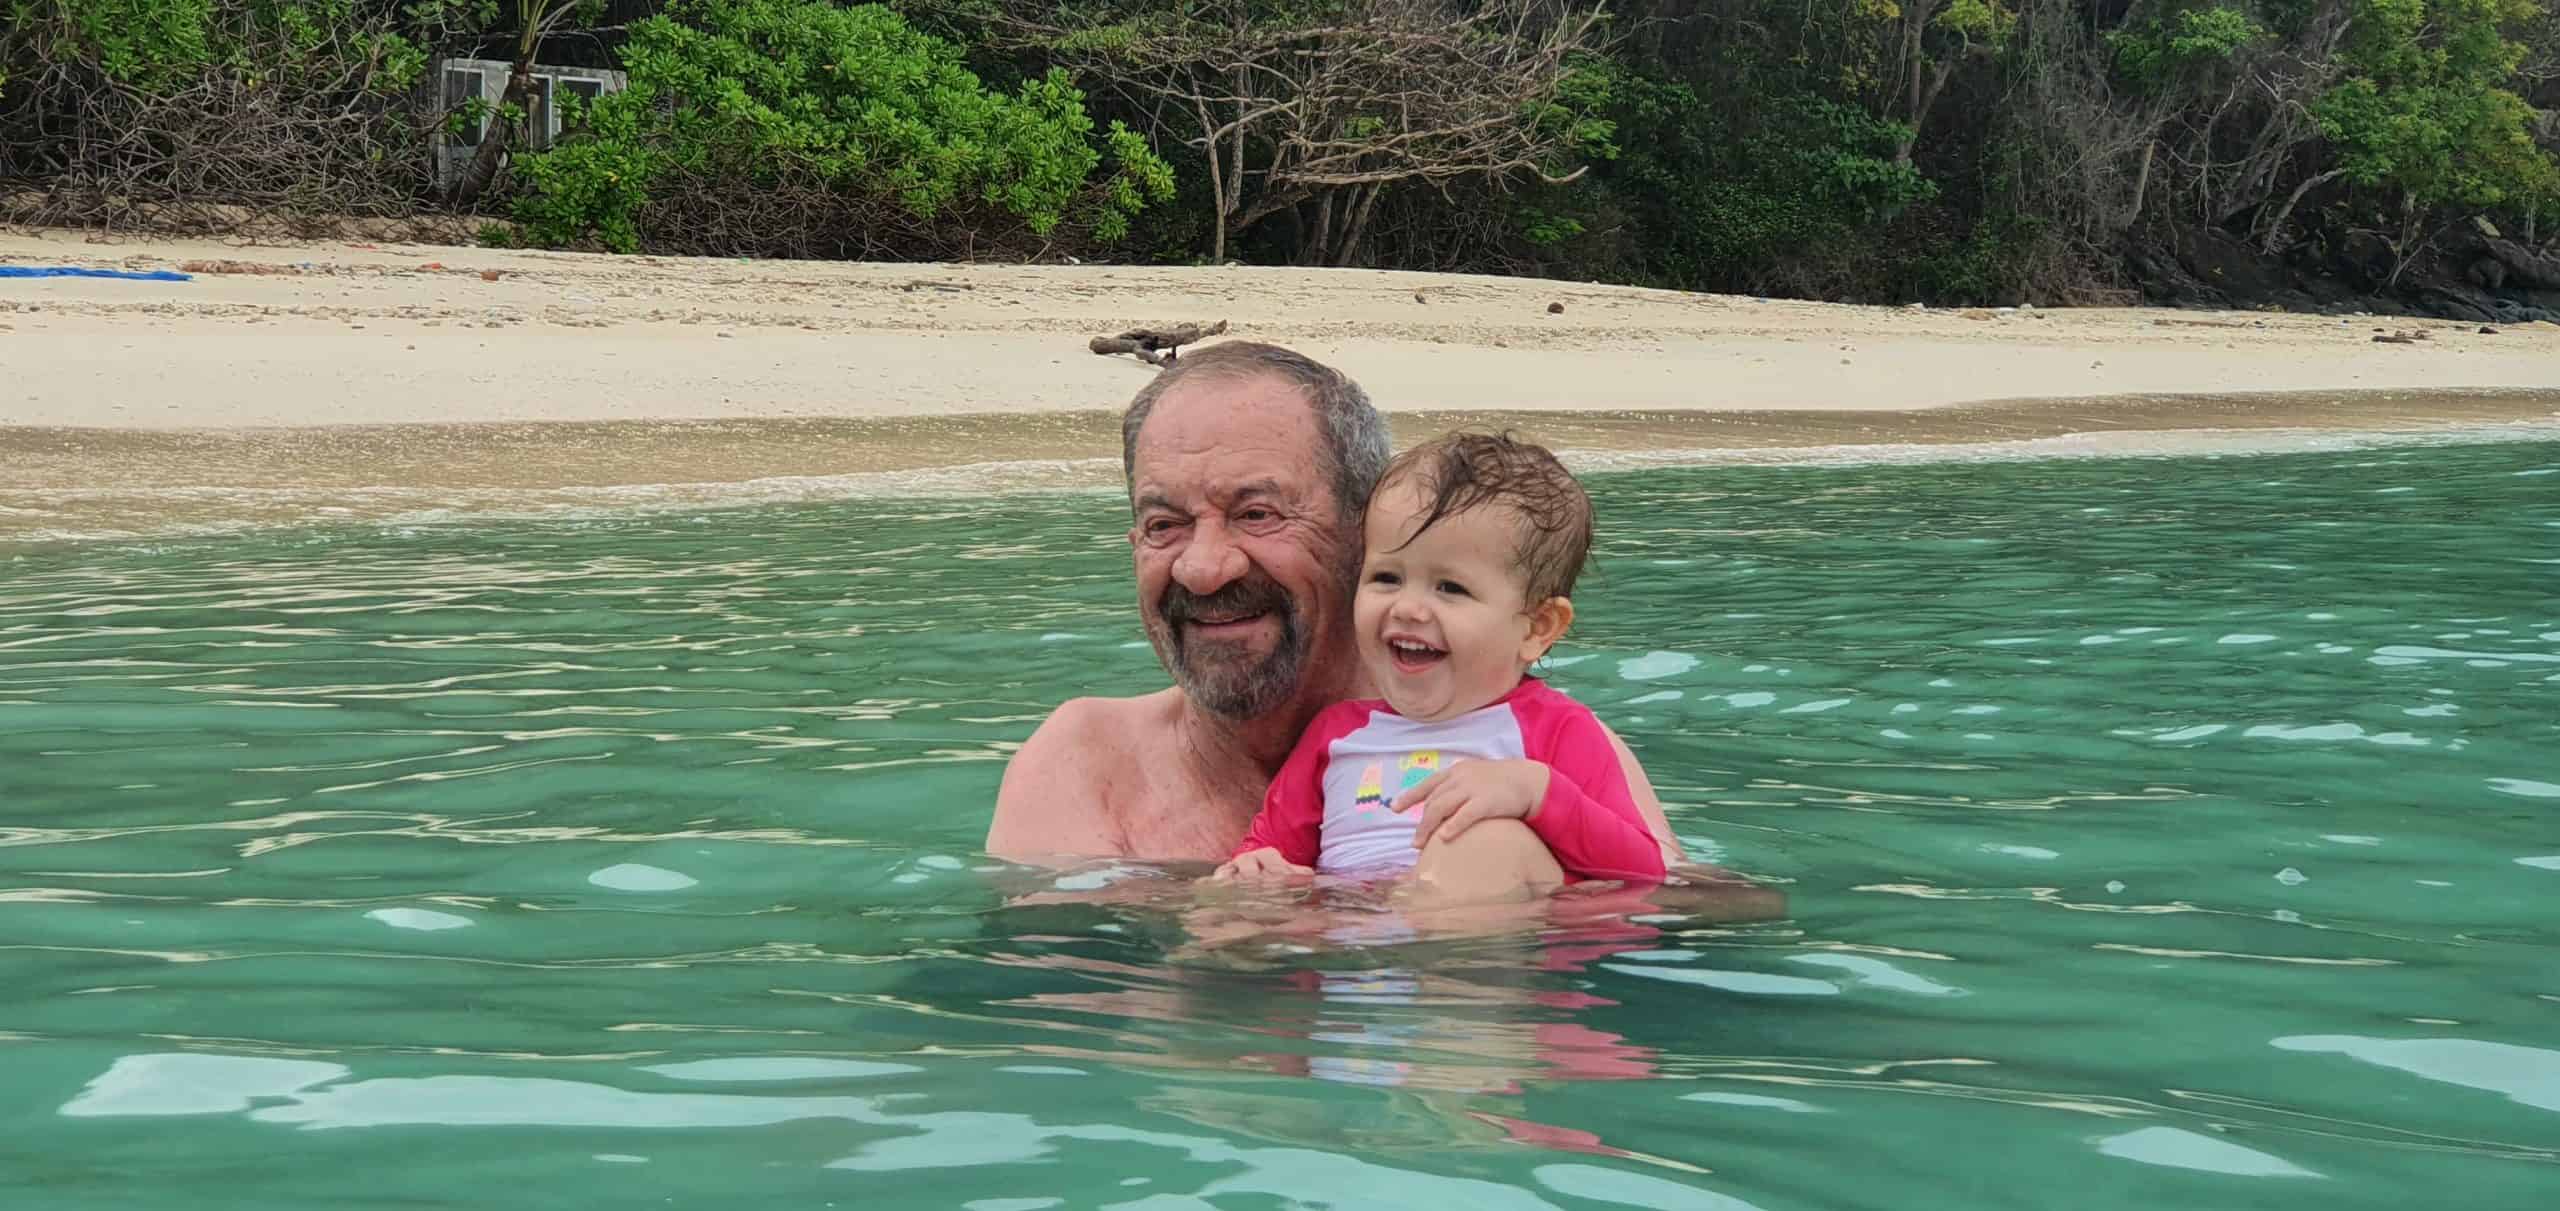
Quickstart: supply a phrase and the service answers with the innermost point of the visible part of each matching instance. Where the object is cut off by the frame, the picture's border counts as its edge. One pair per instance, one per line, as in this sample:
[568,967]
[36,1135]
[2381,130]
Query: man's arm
[1050,806]
[1648,804]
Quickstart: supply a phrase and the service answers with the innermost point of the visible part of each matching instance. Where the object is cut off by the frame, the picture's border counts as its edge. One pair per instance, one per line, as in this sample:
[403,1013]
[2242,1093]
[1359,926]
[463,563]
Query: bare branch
[1382,93]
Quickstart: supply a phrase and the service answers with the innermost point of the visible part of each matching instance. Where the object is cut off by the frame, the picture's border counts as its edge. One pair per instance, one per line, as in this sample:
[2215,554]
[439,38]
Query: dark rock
[2330,291]
[2230,266]
[2523,266]
[2512,312]
[2473,275]
[2457,302]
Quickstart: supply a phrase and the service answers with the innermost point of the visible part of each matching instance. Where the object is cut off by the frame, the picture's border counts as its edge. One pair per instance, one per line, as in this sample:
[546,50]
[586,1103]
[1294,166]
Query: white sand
[368,335]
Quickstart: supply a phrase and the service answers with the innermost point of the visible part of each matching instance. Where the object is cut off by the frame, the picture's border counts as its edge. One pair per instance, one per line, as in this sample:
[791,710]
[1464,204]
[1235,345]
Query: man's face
[1241,558]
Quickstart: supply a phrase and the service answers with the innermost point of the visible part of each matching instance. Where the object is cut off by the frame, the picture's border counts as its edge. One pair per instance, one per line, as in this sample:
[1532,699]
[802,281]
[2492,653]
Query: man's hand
[1454,799]
[1263,863]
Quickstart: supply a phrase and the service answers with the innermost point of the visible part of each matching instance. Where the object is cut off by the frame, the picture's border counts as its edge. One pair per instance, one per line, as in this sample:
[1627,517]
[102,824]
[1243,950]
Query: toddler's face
[1444,623]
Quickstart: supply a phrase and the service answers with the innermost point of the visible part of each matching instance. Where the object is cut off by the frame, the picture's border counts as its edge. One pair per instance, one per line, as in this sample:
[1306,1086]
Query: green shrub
[160,46]
[830,122]
[2430,110]
[153,45]
[2152,52]
[1724,199]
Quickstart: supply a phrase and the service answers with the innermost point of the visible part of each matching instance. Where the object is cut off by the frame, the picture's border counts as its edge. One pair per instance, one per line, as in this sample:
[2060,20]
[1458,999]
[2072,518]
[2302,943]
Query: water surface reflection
[2170,832]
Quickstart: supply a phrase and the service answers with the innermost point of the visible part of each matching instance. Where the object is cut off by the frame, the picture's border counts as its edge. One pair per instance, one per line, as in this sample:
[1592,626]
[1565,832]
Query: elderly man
[1248,467]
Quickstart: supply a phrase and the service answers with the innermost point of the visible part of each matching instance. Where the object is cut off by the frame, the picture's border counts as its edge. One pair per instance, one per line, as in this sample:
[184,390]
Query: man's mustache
[1252,595]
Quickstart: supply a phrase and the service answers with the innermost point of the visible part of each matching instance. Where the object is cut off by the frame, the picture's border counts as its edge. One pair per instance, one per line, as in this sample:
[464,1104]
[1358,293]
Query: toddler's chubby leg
[1494,861]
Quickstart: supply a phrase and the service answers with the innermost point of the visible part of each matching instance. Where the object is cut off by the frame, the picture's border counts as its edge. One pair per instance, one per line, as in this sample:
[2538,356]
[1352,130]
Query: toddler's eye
[1389,579]
[1453,588]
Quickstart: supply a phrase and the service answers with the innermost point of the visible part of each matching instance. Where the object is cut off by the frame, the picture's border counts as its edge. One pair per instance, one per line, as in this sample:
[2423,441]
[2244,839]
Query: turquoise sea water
[2154,832]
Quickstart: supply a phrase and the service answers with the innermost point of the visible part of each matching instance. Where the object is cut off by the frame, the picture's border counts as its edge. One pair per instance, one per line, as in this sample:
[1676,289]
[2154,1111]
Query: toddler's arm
[1292,816]
[1588,817]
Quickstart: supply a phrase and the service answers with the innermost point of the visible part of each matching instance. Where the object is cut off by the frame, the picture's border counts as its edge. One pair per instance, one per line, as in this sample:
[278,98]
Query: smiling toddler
[1473,545]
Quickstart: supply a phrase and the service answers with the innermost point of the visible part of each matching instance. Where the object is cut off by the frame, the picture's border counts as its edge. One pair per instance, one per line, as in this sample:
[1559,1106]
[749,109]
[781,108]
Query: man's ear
[1547,624]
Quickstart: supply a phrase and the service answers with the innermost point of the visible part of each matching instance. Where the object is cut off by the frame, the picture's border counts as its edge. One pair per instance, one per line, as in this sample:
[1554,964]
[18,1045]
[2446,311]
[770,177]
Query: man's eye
[1258,516]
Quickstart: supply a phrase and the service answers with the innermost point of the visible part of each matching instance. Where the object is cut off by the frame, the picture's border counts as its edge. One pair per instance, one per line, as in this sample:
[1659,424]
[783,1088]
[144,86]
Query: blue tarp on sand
[62,271]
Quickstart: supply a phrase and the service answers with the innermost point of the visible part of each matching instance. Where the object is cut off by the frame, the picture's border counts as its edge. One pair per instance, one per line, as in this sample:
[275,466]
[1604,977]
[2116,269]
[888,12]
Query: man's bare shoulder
[1081,722]
[1058,786]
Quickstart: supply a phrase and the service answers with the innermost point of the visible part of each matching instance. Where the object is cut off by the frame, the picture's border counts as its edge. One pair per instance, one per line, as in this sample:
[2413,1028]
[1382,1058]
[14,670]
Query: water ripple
[2190,819]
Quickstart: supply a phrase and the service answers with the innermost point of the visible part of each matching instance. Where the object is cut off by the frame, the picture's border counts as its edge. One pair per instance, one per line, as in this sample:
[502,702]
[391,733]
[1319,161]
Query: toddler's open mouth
[1413,655]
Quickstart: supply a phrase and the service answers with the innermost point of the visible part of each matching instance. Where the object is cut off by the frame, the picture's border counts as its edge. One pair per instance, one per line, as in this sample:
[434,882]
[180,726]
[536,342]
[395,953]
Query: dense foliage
[212,113]
[2065,149]
[796,126]
[766,126]
[1871,149]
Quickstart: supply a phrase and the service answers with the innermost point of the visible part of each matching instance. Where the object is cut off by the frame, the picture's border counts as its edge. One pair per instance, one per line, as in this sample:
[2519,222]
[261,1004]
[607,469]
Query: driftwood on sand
[1156,346]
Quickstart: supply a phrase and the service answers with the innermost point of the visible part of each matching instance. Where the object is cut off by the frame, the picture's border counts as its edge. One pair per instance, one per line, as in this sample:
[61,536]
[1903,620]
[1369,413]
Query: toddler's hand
[1263,863]
[1454,799]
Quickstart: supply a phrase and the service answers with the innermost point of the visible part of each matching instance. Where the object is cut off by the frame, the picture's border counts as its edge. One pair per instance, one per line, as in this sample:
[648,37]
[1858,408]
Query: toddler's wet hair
[1470,470]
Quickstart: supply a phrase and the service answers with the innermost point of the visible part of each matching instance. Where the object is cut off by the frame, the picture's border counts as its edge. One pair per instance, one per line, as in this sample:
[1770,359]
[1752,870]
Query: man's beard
[1223,676]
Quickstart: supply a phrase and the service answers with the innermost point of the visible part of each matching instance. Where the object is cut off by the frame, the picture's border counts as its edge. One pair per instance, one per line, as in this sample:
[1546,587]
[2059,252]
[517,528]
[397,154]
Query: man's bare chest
[1164,813]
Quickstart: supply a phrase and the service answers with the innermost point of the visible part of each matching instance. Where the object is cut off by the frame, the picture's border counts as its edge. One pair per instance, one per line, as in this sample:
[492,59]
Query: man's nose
[1210,561]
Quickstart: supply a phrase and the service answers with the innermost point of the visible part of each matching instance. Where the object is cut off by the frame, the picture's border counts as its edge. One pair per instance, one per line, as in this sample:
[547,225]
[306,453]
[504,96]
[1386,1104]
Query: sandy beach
[425,374]
[340,334]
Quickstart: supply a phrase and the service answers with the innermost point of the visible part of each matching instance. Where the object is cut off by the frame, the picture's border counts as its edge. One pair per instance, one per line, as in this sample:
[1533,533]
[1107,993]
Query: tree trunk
[532,17]
[1217,177]
[1358,225]
[1318,242]
[1234,199]
[2275,225]
[1914,17]
[2406,249]
[2142,181]
[2253,172]
[492,153]
[1922,103]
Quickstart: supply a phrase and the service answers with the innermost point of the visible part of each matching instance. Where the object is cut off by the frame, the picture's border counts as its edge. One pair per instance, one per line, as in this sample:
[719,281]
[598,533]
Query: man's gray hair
[1355,447]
